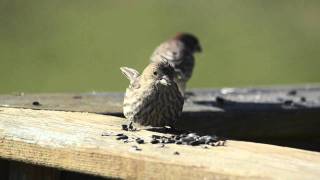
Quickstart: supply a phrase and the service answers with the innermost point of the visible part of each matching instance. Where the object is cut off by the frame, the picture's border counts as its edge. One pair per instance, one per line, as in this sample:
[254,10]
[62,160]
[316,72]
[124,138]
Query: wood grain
[73,141]
[288,112]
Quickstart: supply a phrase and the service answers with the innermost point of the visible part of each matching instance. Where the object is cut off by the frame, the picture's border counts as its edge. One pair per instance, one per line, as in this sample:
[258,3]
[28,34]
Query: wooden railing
[48,136]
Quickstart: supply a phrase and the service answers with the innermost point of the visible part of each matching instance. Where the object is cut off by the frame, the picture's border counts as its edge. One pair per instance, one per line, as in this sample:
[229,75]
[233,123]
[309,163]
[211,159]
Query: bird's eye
[155,73]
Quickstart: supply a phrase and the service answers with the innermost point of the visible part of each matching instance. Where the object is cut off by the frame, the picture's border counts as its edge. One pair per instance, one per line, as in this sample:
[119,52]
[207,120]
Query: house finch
[179,52]
[152,98]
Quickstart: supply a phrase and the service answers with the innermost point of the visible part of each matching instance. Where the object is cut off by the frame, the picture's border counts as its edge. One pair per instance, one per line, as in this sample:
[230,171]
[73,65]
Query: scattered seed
[192,139]
[202,140]
[215,138]
[36,103]
[136,148]
[194,143]
[154,141]
[122,137]
[170,141]
[207,139]
[139,141]
[292,92]
[176,153]
[183,135]
[124,127]
[220,100]
[187,139]
[162,146]
[303,99]
[193,135]
[218,143]
[177,137]
[155,137]
[288,102]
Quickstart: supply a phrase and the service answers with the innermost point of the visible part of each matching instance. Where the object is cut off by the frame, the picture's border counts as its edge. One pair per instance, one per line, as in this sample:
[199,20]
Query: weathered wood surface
[199,100]
[291,112]
[73,141]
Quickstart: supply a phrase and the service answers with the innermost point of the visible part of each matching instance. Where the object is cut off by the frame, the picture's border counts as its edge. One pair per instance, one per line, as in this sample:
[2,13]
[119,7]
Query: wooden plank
[289,112]
[73,141]
[103,103]
[201,100]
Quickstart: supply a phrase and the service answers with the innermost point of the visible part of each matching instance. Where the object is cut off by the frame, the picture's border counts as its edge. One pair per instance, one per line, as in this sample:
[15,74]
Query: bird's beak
[198,48]
[165,81]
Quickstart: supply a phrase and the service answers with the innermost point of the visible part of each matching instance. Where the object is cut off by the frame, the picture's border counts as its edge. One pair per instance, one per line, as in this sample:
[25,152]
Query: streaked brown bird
[152,98]
[179,51]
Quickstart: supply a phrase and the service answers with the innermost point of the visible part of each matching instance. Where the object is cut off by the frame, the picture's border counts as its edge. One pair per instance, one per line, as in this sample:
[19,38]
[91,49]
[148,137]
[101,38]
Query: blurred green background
[79,45]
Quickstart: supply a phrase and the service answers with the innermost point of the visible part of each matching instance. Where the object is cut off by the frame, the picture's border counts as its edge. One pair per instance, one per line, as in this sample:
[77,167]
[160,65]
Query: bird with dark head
[152,98]
[191,41]
[179,51]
